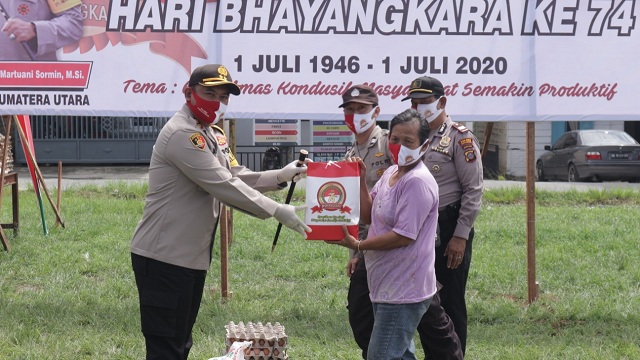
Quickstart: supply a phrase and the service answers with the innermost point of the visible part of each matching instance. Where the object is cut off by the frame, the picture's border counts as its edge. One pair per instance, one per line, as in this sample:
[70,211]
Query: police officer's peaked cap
[213,75]
[362,94]
[423,87]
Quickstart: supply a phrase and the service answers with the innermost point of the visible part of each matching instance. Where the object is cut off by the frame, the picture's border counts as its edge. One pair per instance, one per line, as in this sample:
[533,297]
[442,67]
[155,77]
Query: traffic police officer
[360,105]
[192,172]
[454,160]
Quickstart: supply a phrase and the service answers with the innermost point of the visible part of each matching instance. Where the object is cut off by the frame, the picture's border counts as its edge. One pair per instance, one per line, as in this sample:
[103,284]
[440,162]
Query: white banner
[500,60]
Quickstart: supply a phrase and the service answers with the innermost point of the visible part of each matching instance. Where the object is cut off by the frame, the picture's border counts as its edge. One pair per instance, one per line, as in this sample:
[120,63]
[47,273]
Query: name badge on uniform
[445,141]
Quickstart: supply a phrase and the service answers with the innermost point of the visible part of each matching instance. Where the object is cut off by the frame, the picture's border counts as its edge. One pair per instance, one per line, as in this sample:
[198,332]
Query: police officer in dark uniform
[360,105]
[454,160]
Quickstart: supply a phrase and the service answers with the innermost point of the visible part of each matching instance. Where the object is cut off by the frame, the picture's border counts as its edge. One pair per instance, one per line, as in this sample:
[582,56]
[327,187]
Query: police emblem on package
[331,197]
[197,140]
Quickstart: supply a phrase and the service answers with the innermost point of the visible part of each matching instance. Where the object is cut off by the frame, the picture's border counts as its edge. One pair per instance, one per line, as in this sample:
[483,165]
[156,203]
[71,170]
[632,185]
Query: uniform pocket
[158,312]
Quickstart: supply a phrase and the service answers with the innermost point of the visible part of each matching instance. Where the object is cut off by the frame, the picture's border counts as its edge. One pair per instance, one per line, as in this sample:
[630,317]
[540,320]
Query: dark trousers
[437,336]
[454,281]
[169,302]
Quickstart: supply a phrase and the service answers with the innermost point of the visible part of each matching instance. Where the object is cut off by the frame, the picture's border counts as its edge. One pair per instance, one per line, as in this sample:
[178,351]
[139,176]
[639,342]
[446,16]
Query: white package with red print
[333,199]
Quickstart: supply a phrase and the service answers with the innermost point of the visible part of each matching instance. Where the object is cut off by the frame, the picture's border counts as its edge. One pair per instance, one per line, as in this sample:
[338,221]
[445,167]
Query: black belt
[450,212]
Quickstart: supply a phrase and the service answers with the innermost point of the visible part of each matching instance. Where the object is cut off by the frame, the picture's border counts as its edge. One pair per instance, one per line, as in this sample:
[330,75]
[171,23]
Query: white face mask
[403,156]
[359,123]
[220,113]
[430,111]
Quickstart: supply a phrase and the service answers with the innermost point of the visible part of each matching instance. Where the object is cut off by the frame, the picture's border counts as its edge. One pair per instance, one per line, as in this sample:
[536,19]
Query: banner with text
[499,59]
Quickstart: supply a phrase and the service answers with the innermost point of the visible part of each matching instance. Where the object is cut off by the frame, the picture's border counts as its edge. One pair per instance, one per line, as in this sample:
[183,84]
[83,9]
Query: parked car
[597,155]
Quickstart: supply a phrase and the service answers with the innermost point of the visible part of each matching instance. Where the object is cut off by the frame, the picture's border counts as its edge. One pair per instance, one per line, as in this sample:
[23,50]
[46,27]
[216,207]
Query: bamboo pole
[59,198]
[7,122]
[23,138]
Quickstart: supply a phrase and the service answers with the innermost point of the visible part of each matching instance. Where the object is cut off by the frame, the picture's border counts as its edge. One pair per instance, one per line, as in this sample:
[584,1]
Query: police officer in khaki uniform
[360,105]
[454,160]
[35,29]
[193,172]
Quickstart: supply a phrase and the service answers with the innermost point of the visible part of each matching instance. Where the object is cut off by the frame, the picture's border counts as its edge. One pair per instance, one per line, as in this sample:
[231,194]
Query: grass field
[71,295]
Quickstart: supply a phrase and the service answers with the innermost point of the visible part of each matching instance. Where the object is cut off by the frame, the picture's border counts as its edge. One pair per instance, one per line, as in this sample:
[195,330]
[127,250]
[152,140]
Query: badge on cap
[197,140]
[223,72]
[355,93]
[445,141]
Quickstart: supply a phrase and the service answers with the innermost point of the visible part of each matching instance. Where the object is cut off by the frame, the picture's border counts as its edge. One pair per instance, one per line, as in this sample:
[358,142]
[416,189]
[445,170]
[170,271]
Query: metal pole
[303,155]
[532,284]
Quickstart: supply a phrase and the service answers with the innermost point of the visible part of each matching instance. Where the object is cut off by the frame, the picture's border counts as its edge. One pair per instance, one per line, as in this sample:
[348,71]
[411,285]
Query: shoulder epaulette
[460,127]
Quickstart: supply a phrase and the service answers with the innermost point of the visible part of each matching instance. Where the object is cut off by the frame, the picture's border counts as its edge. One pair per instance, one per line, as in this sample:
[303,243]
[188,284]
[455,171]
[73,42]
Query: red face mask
[207,111]
[394,149]
[403,156]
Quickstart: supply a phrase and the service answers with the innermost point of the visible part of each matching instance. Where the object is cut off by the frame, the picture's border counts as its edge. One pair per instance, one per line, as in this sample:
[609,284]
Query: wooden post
[7,125]
[59,189]
[487,136]
[226,220]
[232,147]
[532,284]
[224,253]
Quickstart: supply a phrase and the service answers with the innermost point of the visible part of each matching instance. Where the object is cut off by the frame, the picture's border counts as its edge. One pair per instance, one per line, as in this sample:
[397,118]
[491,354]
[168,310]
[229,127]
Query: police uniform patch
[435,168]
[445,141]
[379,172]
[469,150]
[378,155]
[222,140]
[470,156]
[466,143]
[197,140]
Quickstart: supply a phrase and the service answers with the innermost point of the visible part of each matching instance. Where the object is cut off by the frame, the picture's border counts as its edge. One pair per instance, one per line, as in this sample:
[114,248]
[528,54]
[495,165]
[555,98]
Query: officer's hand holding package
[286,214]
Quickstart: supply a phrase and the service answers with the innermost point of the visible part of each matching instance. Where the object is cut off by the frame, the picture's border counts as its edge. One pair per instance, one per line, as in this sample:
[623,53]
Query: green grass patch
[72,295]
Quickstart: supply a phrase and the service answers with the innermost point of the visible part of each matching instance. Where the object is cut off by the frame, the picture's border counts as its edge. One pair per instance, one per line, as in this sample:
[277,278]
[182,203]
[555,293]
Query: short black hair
[410,115]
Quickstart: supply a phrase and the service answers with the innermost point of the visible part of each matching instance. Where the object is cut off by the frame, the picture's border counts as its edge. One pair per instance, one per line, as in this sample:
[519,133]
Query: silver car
[597,155]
